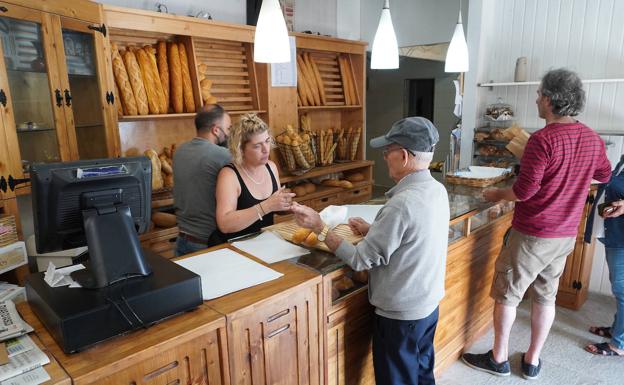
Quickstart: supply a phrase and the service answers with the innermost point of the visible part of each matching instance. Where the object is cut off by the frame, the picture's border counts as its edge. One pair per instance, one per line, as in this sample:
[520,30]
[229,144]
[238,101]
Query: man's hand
[307,217]
[359,226]
[619,209]
[491,194]
[497,194]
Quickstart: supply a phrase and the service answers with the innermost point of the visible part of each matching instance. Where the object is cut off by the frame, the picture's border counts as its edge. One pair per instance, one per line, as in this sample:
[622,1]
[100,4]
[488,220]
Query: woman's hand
[307,217]
[278,201]
[619,209]
[359,226]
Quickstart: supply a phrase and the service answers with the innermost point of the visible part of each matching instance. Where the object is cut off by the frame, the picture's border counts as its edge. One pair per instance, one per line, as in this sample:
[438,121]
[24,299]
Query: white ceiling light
[457,54]
[385,53]
[271,43]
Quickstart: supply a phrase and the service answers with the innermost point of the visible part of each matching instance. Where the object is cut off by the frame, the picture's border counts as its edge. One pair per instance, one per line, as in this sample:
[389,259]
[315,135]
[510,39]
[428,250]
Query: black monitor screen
[61,191]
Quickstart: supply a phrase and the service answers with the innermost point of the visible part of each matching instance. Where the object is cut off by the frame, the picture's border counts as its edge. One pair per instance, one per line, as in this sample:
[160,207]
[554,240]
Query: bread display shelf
[323,191]
[324,170]
[321,108]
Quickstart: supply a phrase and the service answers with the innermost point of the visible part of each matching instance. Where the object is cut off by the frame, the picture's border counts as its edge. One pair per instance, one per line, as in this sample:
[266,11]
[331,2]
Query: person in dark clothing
[248,191]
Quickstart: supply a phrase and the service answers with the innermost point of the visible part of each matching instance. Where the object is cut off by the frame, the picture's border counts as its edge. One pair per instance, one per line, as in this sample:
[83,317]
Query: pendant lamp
[457,54]
[385,53]
[271,44]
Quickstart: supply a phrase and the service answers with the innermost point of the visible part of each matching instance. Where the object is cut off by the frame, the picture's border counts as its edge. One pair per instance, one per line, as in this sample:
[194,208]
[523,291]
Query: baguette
[120,111]
[187,87]
[349,76]
[345,81]
[175,78]
[163,72]
[153,101]
[317,77]
[165,166]
[162,102]
[125,96]
[136,82]
[157,179]
[307,92]
[307,70]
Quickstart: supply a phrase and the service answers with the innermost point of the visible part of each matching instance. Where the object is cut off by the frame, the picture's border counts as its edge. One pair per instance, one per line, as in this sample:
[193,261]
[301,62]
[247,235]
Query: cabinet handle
[278,315]
[68,98]
[13,182]
[3,98]
[59,98]
[278,331]
[110,97]
[3,184]
[3,8]
[99,28]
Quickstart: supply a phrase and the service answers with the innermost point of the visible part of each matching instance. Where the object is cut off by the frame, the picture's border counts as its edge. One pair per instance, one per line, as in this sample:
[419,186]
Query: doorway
[419,98]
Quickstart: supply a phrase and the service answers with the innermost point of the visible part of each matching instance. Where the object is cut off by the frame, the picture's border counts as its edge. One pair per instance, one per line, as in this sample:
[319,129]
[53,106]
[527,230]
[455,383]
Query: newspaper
[19,345]
[23,362]
[11,324]
[32,377]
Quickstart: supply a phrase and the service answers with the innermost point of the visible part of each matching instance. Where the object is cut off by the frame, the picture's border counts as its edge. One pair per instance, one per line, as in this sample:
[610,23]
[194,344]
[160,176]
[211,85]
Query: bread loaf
[165,166]
[162,102]
[309,187]
[299,191]
[309,75]
[163,71]
[125,95]
[355,177]
[175,78]
[165,220]
[331,182]
[187,87]
[345,81]
[168,181]
[136,82]
[317,76]
[344,283]
[307,86]
[118,102]
[157,180]
[300,235]
[311,240]
[149,82]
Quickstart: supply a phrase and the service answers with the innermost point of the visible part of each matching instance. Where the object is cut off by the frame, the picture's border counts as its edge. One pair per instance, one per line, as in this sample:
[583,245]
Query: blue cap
[414,133]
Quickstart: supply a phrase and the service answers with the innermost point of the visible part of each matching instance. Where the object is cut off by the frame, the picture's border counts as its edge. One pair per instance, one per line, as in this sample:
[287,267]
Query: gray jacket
[405,249]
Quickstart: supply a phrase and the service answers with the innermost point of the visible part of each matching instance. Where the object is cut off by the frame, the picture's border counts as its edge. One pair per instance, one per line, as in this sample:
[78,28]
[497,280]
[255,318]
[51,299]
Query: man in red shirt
[556,169]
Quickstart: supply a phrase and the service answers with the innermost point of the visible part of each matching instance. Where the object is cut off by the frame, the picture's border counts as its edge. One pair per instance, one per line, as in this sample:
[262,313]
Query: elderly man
[404,250]
[556,169]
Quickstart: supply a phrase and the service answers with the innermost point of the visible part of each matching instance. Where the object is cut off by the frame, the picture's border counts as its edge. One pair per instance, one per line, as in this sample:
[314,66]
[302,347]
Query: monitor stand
[114,249]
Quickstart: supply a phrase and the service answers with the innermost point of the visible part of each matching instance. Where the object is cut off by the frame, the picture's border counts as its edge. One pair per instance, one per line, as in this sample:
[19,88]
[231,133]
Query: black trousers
[403,350]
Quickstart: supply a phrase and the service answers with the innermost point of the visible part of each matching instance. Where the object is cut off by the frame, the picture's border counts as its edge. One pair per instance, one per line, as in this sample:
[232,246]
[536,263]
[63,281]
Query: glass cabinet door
[83,91]
[26,62]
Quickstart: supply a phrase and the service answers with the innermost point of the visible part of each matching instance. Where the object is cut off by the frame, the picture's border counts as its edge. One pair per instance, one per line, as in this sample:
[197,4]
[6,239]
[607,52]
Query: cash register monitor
[102,204]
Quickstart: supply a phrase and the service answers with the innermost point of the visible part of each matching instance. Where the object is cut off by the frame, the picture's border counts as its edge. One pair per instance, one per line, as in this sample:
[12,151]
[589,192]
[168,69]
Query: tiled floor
[564,360]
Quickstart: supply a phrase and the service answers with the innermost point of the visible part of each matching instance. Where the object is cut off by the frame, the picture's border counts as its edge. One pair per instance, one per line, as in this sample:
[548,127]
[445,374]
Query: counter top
[464,202]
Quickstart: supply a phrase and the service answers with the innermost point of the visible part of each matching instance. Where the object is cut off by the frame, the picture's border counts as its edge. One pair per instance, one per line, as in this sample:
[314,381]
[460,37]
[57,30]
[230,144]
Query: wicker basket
[476,182]
[293,162]
[8,230]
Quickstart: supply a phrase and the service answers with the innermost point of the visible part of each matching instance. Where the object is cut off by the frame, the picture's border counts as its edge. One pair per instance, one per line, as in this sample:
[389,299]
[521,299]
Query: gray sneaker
[485,362]
[530,372]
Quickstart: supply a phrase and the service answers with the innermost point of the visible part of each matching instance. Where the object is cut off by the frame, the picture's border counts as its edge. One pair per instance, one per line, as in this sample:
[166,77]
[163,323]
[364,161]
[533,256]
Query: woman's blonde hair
[248,126]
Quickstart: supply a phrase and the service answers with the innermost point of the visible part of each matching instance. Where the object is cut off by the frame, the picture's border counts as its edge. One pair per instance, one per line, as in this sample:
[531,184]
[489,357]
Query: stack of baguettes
[152,79]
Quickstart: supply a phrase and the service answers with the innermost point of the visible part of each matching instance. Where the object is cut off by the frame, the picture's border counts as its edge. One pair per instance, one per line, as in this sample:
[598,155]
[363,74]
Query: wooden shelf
[246,112]
[537,82]
[319,171]
[323,108]
[322,191]
[139,118]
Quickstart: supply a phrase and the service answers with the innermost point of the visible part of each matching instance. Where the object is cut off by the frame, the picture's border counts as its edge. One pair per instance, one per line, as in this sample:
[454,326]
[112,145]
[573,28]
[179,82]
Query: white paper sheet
[61,277]
[225,271]
[285,74]
[334,215]
[366,212]
[270,247]
[482,172]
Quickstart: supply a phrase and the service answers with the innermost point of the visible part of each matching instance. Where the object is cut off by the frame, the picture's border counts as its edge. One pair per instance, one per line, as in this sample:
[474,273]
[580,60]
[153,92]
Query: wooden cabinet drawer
[160,241]
[356,195]
[319,204]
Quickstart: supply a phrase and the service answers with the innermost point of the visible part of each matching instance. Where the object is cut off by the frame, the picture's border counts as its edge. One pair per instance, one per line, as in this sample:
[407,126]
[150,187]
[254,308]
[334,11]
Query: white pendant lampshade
[385,53]
[457,54]
[271,43]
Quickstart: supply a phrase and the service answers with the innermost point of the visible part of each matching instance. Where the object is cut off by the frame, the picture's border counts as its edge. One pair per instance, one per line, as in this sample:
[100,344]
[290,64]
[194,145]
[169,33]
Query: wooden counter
[190,348]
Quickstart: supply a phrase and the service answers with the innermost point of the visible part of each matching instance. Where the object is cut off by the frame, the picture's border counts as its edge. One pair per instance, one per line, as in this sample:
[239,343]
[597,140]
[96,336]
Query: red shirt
[556,169]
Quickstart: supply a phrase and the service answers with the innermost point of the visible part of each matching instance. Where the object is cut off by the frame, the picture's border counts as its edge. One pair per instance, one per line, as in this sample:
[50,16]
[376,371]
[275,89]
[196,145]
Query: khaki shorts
[529,262]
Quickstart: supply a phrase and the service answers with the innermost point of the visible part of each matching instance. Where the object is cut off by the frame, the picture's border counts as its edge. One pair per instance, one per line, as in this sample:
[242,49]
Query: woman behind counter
[248,191]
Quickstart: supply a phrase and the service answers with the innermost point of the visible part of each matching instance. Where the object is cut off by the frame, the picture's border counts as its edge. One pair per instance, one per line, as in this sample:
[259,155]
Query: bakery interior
[303,319]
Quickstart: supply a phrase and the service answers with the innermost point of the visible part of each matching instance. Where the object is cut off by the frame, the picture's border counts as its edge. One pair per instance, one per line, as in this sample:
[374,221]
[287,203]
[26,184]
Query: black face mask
[224,143]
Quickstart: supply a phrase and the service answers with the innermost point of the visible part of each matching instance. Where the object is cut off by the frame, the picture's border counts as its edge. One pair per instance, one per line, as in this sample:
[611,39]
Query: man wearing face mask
[196,165]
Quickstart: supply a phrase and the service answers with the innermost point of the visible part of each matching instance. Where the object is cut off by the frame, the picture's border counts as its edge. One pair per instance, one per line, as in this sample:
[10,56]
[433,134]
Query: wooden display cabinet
[188,349]
[53,82]
[274,329]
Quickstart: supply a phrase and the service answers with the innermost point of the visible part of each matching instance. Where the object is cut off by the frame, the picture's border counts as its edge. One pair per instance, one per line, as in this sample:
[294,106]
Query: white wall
[583,35]
[415,21]
[232,11]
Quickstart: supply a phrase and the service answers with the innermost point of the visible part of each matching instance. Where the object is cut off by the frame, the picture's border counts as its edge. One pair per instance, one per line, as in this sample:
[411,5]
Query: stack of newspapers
[25,359]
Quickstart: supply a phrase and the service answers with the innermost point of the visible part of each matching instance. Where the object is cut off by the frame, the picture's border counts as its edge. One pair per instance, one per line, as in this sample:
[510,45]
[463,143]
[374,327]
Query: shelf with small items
[303,109]
[325,170]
